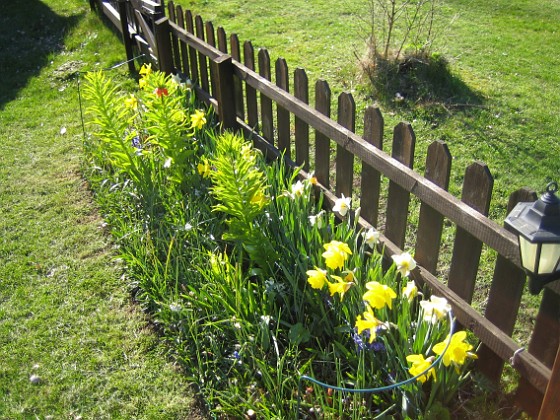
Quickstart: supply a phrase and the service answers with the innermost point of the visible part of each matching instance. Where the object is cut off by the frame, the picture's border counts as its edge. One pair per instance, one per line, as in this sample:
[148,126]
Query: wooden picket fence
[241,90]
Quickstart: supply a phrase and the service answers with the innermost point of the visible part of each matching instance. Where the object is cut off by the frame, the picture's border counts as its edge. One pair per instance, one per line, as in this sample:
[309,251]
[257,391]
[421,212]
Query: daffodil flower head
[317,219]
[368,321]
[131,102]
[405,263]
[259,199]
[298,189]
[458,350]
[419,365]
[335,254]
[410,290]
[371,237]
[317,278]
[204,168]
[379,295]
[146,69]
[342,205]
[435,309]
[340,286]
[198,119]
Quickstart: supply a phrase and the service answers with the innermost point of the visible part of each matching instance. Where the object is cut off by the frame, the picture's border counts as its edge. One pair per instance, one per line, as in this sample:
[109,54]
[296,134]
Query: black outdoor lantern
[538,228]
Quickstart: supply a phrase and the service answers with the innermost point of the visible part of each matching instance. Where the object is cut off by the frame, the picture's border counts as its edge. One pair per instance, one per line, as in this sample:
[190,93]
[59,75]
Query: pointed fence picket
[235,88]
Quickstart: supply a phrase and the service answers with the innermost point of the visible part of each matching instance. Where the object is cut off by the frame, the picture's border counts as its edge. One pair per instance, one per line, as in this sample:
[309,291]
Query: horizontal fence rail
[238,84]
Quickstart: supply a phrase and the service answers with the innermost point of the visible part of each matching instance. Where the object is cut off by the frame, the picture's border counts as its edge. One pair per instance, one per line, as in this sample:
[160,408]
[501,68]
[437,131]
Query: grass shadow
[420,84]
[30,35]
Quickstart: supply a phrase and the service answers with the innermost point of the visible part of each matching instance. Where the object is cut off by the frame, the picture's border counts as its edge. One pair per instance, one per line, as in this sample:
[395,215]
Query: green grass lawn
[72,344]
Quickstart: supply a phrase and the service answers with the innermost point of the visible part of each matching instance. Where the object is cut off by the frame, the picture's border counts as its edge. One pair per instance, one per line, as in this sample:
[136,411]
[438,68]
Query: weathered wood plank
[174,42]
[182,45]
[267,118]
[282,115]
[238,85]
[202,60]
[163,41]
[544,346]
[222,40]
[193,57]
[430,222]
[225,92]
[251,93]
[477,192]
[404,143]
[301,91]
[371,178]
[550,409]
[322,142]
[211,40]
[344,158]
[504,299]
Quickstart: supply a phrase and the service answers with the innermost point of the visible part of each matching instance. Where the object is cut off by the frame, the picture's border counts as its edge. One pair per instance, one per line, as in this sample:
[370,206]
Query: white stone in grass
[63,131]
[34,379]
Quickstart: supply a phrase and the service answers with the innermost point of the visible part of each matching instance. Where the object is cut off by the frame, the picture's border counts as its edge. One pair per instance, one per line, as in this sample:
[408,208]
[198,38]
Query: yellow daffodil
[410,290]
[198,119]
[204,168]
[313,180]
[419,365]
[317,278]
[379,295]
[340,286]
[435,309]
[258,198]
[342,205]
[368,321]
[335,254]
[405,263]
[458,350]
[142,83]
[131,102]
[146,70]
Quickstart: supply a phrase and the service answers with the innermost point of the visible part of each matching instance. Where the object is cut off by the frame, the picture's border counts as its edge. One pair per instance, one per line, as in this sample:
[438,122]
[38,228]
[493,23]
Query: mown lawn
[72,344]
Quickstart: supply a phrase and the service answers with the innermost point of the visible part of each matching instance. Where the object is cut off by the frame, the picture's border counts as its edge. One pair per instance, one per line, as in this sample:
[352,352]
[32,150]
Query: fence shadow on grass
[30,34]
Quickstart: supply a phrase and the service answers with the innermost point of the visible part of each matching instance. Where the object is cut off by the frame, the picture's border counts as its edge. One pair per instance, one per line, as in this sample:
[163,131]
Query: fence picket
[252,107]
[184,56]
[477,191]
[193,57]
[174,41]
[267,120]
[344,158]
[322,142]
[202,60]
[543,345]
[504,299]
[211,40]
[238,86]
[371,178]
[404,143]
[430,222]
[283,116]
[301,92]
[222,40]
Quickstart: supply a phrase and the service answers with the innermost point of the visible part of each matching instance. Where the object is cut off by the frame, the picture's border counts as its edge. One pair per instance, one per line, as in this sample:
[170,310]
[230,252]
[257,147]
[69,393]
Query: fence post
[162,33]
[225,92]
[550,408]
[126,36]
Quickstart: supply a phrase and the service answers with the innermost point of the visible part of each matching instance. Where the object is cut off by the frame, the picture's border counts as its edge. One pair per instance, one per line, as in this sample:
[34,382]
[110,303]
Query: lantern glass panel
[549,258]
[528,253]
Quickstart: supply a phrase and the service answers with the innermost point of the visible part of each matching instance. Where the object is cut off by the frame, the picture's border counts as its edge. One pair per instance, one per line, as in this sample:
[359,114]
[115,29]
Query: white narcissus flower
[405,263]
[371,237]
[342,205]
[317,219]
[435,309]
[298,189]
[410,291]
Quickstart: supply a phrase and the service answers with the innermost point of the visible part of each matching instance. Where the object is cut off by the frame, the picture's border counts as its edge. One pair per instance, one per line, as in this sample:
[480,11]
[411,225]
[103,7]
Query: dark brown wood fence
[238,82]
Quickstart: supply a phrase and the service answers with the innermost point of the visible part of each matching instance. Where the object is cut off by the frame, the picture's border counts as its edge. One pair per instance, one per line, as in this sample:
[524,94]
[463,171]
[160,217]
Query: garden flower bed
[275,307]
